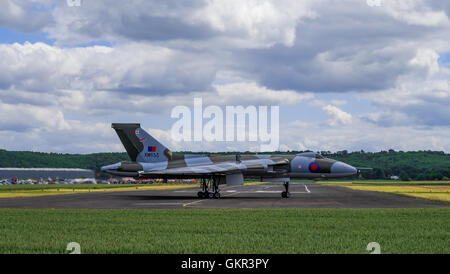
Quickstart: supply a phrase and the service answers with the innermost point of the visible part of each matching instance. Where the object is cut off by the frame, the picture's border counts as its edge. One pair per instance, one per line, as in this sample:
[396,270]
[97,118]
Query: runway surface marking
[304,195]
[307,191]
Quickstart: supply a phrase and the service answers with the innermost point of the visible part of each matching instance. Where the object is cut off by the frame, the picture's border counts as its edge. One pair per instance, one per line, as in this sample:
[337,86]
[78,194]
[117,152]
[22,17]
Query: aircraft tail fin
[140,145]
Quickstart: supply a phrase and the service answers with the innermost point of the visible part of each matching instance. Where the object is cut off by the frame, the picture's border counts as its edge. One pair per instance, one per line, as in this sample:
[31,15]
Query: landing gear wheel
[207,185]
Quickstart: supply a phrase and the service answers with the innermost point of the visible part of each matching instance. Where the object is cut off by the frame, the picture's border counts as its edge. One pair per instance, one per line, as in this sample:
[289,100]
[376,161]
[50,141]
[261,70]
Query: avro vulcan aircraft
[150,159]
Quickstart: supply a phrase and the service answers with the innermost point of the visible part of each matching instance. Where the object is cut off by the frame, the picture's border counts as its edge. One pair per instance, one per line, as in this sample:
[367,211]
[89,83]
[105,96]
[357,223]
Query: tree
[404,176]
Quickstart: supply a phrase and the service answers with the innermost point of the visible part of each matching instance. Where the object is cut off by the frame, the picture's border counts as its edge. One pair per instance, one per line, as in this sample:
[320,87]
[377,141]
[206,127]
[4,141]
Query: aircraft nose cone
[343,168]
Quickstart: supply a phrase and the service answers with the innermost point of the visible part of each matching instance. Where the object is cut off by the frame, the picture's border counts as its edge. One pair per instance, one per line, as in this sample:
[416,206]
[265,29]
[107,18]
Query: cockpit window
[311,155]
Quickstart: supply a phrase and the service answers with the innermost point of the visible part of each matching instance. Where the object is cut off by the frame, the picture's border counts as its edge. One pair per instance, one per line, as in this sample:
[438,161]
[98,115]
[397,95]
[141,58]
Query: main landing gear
[208,184]
[286,194]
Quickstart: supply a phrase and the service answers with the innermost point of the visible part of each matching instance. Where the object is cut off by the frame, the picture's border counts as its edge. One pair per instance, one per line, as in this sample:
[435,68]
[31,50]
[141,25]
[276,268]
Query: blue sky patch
[9,36]
[444,59]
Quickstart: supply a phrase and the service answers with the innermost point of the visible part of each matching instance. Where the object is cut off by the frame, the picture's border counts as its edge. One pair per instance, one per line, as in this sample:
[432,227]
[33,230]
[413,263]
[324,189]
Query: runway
[303,195]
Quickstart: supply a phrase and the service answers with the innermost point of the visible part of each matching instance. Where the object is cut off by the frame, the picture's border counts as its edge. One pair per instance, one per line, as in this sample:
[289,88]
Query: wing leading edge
[221,168]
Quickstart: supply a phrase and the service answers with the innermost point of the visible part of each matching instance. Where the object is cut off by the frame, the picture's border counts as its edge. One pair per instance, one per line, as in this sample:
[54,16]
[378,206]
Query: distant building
[37,173]
[395,177]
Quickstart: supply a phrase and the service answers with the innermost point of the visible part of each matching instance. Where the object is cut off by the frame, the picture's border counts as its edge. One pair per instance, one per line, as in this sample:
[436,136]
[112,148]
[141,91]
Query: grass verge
[226,231]
[15,191]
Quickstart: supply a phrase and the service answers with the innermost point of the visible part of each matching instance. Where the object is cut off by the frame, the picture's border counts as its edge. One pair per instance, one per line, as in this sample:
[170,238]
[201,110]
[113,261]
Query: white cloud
[239,23]
[427,59]
[254,94]
[256,23]
[420,97]
[362,135]
[164,53]
[415,12]
[337,116]
[21,16]
[339,102]
[21,117]
[134,68]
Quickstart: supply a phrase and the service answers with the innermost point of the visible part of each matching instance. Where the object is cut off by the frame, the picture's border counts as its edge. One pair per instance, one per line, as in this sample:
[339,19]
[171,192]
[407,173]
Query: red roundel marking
[314,167]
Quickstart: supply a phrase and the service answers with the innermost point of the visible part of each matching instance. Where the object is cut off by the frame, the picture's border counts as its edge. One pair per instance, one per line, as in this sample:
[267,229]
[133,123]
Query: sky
[346,75]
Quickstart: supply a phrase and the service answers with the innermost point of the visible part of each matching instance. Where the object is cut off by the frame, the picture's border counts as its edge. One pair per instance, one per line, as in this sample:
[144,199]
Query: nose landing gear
[286,193]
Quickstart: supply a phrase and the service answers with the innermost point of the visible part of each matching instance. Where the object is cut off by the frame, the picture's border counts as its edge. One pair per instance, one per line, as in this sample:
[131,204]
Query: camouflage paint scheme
[150,159]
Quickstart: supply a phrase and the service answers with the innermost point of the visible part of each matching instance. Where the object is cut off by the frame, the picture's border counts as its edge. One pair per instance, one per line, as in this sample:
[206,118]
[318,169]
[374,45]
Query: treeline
[411,165]
[28,159]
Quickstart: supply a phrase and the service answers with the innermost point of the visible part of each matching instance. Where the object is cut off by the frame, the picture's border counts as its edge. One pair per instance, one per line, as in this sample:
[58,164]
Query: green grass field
[226,231]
